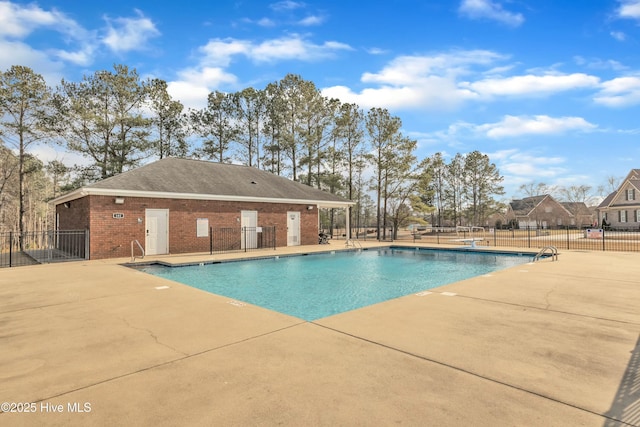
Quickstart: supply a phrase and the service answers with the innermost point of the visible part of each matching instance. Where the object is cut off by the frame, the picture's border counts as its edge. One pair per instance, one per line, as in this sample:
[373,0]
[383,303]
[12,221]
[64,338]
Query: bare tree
[8,185]
[577,194]
[537,189]
[612,183]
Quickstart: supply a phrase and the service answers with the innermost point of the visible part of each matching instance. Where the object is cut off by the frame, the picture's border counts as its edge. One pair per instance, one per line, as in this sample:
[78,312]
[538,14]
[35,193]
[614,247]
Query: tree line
[117,121]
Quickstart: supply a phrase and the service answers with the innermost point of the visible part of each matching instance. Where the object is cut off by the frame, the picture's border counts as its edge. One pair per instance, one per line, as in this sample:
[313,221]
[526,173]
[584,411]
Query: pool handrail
[552,249]
[133,258]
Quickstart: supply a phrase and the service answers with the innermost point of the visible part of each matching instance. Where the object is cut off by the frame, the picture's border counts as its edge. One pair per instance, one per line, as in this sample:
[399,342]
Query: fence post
[529,235]
[10,247]
[243,231]
[87,244]
[568,237]
[210,240]
[603,239]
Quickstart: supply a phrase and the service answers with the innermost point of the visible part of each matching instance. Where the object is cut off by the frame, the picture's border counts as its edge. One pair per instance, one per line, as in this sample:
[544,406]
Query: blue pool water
[320,285]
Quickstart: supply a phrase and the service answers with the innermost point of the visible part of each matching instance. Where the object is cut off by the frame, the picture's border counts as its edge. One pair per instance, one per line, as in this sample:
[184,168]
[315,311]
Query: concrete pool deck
[542,344]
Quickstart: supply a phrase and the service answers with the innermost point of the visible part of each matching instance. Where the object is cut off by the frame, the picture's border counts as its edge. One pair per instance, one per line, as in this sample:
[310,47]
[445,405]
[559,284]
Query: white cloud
[510,127]
[194,85]
[19,21]
[295,47]
[629,9]
[311,21]
[12,53]
[533,169]
[266,22]
[498,71]
[286,5]
[619,92]
[127,34]
[514,126]
[526,167]
[446,81]
[618,35]
[48,153]
[404,69]
[487,9]
[600,64]
[73,43]
[376,51]
[82,57]
[220,52]
[529,85]
[418,81]
[431,92]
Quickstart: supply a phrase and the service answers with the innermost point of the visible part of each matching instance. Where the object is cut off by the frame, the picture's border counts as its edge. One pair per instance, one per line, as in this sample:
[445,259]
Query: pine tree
[24,109]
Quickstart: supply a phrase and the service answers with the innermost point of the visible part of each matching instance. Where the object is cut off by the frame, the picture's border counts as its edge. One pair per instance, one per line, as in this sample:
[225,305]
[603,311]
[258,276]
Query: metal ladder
[552,249]
[133,258]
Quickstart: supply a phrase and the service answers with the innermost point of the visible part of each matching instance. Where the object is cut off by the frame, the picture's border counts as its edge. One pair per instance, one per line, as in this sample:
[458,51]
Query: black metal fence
[561,238]
[241,239]
[42,247]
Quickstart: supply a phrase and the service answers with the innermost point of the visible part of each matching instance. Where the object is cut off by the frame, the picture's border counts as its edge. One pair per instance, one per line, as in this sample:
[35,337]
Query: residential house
[584,216]
[170,205]
[539,212]
[620,210]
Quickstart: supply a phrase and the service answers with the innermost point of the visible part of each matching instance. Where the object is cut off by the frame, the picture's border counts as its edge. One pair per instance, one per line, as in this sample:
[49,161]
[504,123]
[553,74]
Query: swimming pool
[320,285]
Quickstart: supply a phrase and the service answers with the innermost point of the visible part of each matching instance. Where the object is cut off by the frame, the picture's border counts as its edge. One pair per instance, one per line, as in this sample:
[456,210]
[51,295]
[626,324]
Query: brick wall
[111,237]
[73,215]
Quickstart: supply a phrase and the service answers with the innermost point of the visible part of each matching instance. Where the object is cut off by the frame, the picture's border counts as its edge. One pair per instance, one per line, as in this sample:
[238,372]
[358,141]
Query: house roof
[523,207]
[526,206]
[577,208]
[633,178]
[197,179]
[634,174]
[607,200]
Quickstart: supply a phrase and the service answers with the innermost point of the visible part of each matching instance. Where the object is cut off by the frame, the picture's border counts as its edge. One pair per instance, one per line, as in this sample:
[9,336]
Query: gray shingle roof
[632,178]
[188,176]
[607,201]
[523,207]
[576,208]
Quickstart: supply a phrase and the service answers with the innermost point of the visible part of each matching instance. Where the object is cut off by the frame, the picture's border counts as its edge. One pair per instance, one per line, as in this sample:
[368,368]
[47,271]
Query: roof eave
[87,191]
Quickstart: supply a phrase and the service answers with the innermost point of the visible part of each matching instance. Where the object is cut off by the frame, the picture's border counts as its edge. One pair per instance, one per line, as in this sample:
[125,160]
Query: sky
[548,89]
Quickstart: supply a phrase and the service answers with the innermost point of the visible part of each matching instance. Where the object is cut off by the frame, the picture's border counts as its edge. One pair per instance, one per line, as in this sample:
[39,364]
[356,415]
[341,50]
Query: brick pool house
[174,206]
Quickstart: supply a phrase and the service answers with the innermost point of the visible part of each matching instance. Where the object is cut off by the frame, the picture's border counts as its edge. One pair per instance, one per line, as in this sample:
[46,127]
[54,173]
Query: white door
[249,224]
[293,228]
[157,231]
